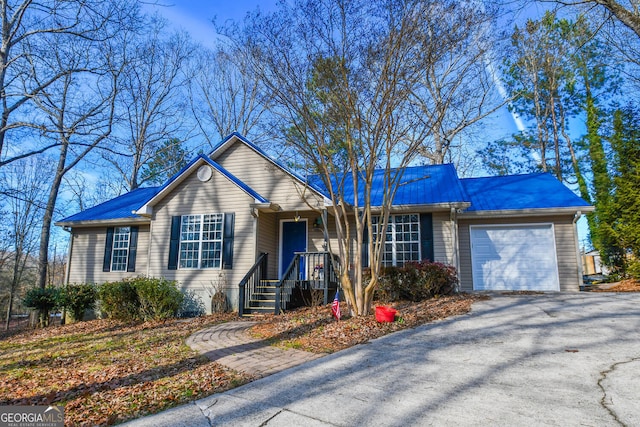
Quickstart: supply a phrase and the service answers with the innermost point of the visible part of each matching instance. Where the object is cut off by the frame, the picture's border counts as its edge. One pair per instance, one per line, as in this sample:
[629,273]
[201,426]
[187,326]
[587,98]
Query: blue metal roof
[121,207]
[118,208]
[419,185]
[516,192]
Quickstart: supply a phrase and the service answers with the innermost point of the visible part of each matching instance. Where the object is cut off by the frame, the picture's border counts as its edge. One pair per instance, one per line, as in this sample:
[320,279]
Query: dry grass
[105,372]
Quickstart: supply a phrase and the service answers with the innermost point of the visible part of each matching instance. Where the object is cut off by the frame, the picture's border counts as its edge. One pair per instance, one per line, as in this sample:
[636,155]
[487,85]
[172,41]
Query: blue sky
[196,16]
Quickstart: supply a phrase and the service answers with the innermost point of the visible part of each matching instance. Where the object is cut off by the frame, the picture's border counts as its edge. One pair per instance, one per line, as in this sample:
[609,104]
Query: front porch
[309,279]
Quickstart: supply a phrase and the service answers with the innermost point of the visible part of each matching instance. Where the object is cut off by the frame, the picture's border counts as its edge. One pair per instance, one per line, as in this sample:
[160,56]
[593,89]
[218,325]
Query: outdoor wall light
[317,223]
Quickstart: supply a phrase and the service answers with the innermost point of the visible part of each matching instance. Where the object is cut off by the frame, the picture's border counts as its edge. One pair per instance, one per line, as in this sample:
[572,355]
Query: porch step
[263,300]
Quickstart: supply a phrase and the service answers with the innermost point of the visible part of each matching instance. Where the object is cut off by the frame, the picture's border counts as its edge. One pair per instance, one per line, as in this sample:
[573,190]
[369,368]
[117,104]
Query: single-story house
[212,221]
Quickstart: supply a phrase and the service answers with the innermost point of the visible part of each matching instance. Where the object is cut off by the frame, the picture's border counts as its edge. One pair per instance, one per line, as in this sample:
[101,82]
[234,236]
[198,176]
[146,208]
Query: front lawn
[105,372]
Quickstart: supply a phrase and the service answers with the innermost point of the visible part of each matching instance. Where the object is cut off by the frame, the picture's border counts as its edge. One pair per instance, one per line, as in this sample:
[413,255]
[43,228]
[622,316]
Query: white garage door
[515,257]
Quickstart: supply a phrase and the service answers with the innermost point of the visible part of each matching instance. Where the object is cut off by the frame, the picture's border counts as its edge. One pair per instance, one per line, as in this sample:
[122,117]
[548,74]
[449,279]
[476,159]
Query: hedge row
[131,299]
[416,281]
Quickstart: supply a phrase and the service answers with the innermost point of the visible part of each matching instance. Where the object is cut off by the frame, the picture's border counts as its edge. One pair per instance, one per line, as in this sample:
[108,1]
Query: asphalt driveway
[555,359]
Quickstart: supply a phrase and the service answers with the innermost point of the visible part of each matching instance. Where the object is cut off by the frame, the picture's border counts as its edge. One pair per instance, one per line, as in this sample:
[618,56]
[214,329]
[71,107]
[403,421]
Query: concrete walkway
[231,345]
[516,360]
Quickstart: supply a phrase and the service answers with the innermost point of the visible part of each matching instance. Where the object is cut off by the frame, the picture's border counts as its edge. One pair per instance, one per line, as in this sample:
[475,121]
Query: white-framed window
[402,239]
[120,249]
[201,241]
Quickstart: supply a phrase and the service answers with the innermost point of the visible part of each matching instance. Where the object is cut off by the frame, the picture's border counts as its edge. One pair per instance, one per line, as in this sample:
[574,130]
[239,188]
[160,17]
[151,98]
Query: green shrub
[159,298]
[416,281]
[44,300]
[78,298]
[140,298]
[119,300]
[633,269]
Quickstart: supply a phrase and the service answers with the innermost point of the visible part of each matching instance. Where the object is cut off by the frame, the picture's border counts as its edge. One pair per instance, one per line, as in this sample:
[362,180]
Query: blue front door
[293,239]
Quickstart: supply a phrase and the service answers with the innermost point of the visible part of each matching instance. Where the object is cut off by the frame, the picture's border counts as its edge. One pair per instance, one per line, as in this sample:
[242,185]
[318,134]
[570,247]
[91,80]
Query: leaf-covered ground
[313,329]
[629,285]
[105,372]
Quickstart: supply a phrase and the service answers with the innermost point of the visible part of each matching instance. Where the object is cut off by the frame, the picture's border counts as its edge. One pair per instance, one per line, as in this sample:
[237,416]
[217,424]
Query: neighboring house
[210,222]
[592,264]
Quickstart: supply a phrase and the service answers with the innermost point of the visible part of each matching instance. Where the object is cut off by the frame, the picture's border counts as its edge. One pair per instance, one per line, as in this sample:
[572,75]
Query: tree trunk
[627,17]
[9,308]
[45,231]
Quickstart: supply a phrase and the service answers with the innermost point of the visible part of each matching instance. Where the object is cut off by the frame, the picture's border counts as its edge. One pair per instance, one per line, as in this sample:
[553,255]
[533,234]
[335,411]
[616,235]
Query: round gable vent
[204,173]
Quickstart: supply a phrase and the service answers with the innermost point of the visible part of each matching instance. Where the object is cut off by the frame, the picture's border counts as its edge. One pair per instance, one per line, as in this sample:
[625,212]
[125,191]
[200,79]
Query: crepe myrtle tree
[343,80]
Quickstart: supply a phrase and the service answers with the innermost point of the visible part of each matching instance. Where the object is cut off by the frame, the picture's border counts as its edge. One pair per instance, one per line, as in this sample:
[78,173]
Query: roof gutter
[429,207]
[100,222]
[525,212]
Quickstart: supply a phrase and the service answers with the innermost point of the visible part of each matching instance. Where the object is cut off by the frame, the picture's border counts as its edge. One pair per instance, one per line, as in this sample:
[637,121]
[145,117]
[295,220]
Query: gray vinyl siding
[267,179]
[218,195]
[268,241]
[565,239]
[87,255]
[443,238]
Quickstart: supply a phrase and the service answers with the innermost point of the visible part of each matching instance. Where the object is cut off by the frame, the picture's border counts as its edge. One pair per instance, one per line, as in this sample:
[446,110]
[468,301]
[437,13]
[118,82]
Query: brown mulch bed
[315,330]
[629,285]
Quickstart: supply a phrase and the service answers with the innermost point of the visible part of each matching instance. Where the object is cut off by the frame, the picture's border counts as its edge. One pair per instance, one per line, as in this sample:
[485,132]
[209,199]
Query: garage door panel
[514,257]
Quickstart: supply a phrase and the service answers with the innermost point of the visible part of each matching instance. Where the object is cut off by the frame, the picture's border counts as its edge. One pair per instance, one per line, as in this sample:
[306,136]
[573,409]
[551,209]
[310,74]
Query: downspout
[576,217]
[255,214]
[453,217]
[69,253]
[149,248]
[68,269]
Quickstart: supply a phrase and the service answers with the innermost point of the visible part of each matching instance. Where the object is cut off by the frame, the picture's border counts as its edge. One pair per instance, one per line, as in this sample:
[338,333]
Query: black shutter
[174,242]
[108,247]
[364,254]
[133,246]
[227,241]
[426,236]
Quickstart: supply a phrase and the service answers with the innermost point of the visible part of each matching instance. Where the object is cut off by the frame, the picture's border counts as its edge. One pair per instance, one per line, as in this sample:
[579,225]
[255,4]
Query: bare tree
[456,50]
[24,73]
[88,189]
[77,113]
[151,98]
[343,77]
[625,11]
[226,96]
[26,181]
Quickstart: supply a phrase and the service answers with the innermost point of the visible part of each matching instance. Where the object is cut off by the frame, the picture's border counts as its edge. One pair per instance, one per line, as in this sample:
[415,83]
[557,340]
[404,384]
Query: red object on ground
[385,314]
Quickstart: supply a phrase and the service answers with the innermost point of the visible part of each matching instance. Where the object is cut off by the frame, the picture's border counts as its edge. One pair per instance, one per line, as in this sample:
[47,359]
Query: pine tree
[620,236]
